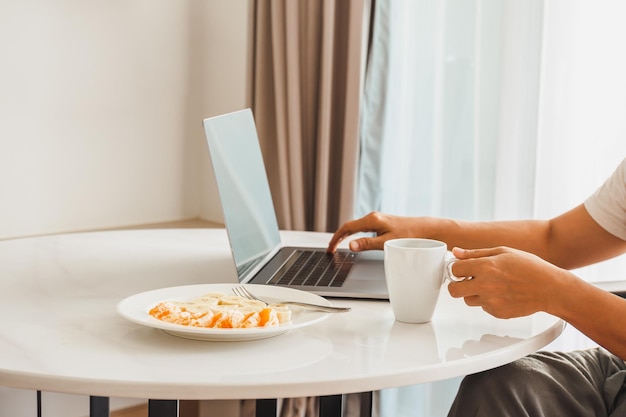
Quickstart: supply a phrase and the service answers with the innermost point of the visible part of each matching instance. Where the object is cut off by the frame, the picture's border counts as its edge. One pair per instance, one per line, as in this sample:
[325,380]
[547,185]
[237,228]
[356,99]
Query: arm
[453,232]
[516,282]
[570,240]
[510,283]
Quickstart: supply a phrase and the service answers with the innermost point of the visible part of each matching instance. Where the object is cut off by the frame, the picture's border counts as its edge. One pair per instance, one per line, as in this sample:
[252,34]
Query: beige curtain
[308,70]
[307,85]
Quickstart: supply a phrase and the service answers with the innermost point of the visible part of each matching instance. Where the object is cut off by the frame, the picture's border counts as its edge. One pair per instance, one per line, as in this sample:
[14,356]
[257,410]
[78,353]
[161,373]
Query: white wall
[101,106]
[220,81]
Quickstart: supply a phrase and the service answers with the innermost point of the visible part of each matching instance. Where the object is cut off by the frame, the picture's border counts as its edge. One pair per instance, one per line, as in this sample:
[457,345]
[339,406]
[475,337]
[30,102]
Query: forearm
[528,235]
[594,312]
[571,240]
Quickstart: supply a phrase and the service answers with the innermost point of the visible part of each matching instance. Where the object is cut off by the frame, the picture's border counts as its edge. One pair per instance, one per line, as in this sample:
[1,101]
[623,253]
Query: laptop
[253,233]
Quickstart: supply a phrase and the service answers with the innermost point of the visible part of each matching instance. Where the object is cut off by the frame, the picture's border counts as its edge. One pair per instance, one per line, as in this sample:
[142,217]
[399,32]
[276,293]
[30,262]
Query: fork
[243,292]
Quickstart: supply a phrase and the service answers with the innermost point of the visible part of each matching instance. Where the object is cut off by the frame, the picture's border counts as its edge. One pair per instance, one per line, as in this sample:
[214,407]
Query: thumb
[366,243]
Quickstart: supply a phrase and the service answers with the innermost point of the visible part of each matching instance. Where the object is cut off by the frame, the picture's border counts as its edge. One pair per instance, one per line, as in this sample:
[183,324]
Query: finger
[461,253]
[463,289]
[465,269]
[344,231]
[364,224]
[470,299]
[335,240]
[367,243]
[473,301]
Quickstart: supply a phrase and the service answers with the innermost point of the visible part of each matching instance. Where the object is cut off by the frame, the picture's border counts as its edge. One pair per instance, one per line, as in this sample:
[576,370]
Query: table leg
[266,408]
[365,409]
[38,403]
[98,406]
[331,405]
[162,408]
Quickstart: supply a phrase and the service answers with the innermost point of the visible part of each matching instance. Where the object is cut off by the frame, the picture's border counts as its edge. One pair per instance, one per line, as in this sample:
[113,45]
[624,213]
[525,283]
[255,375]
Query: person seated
[522,267]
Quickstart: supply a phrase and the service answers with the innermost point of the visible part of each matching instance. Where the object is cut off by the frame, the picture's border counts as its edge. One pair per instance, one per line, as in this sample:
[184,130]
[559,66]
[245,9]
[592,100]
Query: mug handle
[448,275]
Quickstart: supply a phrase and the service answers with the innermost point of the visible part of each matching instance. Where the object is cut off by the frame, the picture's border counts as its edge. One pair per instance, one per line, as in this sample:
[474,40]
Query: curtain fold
[307,85]
[449,120]
[308,66]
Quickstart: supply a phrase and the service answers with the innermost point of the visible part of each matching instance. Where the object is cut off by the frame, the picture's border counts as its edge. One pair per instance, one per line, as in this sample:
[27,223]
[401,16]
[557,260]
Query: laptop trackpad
[369,267]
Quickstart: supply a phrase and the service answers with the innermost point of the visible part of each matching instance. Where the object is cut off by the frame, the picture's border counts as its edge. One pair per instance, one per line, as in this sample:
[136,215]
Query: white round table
[60,330]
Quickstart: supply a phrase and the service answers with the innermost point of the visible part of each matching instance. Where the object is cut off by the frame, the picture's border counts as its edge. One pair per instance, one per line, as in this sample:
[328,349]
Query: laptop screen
[243,187]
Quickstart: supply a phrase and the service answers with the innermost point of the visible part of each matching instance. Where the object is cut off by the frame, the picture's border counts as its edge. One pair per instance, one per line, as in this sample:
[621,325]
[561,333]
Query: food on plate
[221,311]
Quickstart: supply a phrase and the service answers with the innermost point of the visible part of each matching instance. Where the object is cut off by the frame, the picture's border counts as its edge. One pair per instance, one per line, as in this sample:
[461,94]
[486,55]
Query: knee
[499,379]
[490,392]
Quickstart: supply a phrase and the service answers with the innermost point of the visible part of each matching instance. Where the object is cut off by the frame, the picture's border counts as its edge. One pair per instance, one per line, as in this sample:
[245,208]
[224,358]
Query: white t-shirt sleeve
[607,206]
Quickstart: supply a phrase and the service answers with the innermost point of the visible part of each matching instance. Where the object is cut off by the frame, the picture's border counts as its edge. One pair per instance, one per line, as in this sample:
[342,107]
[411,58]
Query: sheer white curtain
[582,125]
[490,109]
[450,108]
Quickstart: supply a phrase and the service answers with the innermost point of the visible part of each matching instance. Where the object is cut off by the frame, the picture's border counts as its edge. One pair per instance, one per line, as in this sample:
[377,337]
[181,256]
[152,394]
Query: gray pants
[581,383]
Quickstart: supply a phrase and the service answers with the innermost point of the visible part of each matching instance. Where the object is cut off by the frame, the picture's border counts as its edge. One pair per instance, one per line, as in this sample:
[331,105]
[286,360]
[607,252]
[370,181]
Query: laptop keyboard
[315,268]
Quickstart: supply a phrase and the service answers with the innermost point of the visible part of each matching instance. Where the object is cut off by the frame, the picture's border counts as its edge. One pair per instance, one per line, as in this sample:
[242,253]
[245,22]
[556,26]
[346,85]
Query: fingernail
[354,246]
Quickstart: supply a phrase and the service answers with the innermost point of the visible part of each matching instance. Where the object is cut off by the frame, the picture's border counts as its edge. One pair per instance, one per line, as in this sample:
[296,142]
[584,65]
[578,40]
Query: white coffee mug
[415,270]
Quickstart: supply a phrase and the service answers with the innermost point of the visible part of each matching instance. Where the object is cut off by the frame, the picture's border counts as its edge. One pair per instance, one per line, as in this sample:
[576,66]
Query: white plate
[136,307]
